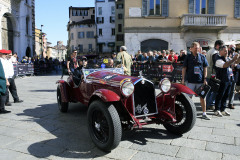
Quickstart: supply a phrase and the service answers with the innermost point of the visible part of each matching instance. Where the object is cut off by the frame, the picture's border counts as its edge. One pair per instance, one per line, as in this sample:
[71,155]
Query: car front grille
[144,98]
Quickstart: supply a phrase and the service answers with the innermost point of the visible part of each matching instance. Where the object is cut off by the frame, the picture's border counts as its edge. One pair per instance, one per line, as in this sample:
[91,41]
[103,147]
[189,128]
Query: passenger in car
[73,68]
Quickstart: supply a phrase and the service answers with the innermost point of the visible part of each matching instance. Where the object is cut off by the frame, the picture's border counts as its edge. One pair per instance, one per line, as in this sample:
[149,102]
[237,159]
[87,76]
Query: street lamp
[41,34]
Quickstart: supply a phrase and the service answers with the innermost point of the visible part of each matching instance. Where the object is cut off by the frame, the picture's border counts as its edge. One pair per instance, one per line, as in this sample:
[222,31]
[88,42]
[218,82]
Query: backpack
[214,59]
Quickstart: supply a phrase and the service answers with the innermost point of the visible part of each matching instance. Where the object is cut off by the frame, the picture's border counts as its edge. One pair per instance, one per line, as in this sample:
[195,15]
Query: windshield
[87,72]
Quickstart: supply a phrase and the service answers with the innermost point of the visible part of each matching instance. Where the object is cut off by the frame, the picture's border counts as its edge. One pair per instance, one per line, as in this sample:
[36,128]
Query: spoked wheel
[63,106]
[104,125]
[185,115]
[100,126]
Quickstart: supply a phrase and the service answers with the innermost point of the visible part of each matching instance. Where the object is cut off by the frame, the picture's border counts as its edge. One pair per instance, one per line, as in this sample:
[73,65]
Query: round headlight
[165,85]
[127,88]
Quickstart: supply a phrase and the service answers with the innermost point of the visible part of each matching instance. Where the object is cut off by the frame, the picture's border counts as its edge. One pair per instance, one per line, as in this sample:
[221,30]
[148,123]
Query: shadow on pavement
[70,131]
[144,135]
[71,136]
[50,90]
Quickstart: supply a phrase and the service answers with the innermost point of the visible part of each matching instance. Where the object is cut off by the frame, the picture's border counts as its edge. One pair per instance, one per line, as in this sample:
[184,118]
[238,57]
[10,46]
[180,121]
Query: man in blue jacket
[195,69]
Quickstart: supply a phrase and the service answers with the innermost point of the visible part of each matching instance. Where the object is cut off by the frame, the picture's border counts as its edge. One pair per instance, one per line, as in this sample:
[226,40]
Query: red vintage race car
[117,102]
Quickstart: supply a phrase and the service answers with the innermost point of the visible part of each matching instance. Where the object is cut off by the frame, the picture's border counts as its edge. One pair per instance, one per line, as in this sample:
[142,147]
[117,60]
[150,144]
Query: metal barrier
[23,69]
[158,70]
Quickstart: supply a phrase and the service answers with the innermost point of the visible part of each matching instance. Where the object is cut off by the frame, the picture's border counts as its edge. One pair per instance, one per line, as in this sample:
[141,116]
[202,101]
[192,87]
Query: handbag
[214,83]
[203,90]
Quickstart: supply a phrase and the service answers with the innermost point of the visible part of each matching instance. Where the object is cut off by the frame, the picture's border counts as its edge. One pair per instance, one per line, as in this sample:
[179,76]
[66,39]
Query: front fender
[106,95]
[181,88]
[166,102]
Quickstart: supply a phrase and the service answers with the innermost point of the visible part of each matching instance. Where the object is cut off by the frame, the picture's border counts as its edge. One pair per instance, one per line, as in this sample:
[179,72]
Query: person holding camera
[195,67]
[225,74]
[211,58]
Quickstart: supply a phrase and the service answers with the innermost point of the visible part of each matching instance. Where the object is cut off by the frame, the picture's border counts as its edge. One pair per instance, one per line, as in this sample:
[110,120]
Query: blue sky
[54,15]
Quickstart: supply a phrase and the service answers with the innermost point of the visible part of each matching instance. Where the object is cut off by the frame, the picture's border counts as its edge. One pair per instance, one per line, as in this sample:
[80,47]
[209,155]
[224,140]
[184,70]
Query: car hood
[105,77]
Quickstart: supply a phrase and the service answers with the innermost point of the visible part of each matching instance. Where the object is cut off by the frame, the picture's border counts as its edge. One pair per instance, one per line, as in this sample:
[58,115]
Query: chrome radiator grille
[144,98]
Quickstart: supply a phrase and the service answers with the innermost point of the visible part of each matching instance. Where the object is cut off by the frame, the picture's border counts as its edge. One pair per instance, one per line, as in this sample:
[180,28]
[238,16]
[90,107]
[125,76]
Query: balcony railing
[204,20]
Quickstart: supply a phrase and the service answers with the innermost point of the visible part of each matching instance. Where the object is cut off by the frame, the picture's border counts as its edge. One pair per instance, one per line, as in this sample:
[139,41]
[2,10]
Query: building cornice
[151,30]
[177,30]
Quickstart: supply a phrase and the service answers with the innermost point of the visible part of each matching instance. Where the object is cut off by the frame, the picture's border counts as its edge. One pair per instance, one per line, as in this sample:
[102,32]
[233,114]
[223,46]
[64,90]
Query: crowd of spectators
[160,56]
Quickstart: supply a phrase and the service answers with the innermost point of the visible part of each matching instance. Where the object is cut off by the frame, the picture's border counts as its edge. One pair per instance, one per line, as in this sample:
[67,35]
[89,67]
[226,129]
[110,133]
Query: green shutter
[191,6]
[237,9]
[165,8]
[145,7]
[211,6]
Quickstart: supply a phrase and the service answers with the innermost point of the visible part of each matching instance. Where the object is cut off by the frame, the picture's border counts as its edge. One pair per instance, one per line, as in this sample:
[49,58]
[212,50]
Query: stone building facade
[105,20]
[17,26]
[59,51]
[82,30]
[167,24]
[40,43]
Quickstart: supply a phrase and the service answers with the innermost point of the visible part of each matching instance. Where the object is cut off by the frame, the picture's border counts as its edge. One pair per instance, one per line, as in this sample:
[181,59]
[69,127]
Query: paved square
[35,129]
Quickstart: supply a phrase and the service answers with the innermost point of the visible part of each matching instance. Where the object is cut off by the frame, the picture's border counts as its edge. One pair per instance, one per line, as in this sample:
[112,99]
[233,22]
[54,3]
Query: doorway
[7,33]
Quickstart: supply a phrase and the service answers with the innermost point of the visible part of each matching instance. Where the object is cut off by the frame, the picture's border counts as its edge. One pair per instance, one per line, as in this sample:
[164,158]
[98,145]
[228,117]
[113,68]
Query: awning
[111,44]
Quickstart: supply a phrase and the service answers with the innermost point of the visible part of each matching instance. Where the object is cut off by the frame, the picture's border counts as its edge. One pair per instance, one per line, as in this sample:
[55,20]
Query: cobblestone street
[36,129]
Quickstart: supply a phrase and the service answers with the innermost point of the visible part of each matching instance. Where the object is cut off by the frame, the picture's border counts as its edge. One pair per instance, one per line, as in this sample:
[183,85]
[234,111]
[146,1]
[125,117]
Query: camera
[233,49]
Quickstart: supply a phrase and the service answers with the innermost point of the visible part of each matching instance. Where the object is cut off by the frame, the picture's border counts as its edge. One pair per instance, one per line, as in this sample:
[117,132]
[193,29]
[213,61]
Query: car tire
[185,115]
[104,125]
[62,106]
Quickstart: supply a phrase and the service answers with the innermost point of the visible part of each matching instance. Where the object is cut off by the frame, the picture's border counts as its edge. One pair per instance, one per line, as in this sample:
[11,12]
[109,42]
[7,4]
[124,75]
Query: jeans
[210,99]
[222,96]
[232,94]
[76,75]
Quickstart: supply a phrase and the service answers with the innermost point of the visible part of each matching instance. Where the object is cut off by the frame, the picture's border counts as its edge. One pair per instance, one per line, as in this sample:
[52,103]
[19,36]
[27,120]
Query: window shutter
[165,8]
[145,10]
[191,6]
[102,19]
[211,6]
[237,9]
